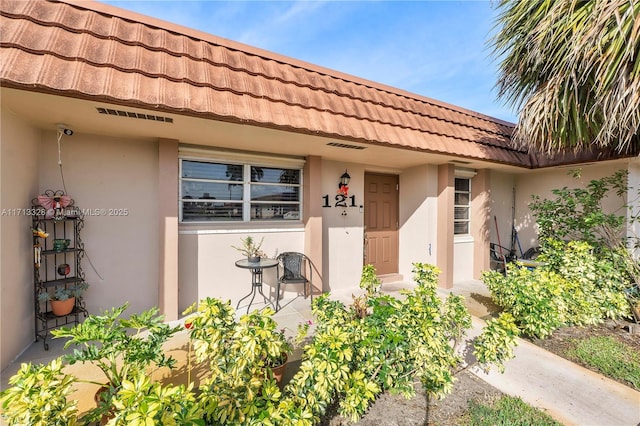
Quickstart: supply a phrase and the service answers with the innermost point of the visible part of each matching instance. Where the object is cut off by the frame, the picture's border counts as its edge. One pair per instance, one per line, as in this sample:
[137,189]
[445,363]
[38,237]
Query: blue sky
[437,49]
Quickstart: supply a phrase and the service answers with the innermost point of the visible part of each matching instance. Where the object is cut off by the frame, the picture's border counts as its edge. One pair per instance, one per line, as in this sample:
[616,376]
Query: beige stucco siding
[501,207]
[633,200]
[19,149]
[111,174]
[207,261]
[542,182]
[418,217]
[343,236]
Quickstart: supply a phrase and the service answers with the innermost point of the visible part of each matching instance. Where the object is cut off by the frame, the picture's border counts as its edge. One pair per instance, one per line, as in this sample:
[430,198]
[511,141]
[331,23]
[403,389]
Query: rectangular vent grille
[131,114]
[344,145]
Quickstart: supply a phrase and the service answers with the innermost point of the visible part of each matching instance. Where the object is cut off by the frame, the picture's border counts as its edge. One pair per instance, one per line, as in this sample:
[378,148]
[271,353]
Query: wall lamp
[343,186]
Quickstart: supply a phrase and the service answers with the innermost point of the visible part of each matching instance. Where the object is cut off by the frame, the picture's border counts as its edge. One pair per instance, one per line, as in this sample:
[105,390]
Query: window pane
[461,228]
[195,211]
[275,193]
[462,184]
[213,171]
[198,190]
[461,198]
[274,175]
[212,191]
[274,211]
[461,213]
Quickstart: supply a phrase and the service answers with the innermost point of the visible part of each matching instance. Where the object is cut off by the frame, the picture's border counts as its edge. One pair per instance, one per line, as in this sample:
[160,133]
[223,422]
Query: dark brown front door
[381,222]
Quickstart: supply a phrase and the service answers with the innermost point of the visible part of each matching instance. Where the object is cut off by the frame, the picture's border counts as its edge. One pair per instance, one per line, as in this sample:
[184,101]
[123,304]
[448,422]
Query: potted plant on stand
[63,299]
[122,348]
[250,248]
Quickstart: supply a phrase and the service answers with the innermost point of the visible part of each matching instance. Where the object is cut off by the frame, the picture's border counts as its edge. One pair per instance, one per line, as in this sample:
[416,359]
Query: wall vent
[131,114]
[344,145]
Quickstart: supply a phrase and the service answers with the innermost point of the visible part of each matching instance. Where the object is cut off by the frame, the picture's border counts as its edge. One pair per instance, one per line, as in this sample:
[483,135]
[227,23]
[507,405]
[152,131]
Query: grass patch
[611,357]
[508,411]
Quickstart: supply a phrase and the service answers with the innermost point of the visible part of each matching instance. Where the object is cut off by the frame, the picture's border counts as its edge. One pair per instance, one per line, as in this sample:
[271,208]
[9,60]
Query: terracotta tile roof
[94,51]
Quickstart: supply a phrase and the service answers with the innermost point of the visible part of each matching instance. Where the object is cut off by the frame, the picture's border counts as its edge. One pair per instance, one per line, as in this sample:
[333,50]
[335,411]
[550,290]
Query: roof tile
[128,59]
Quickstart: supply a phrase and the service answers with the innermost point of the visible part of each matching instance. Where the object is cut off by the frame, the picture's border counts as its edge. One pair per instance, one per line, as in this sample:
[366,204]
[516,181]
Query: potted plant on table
[121,348]
[251,248]
[63,299]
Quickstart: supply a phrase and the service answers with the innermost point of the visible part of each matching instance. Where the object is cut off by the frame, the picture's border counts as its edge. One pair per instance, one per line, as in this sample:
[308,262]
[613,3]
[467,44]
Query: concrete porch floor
[294,310]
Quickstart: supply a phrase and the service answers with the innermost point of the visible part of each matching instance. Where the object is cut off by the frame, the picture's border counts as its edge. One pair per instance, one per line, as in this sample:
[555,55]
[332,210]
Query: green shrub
[531,296]
[143,402]
[240,388]
[352,359]
[38,396]
[378,344]
[354,355]
[571,287]
[578,214]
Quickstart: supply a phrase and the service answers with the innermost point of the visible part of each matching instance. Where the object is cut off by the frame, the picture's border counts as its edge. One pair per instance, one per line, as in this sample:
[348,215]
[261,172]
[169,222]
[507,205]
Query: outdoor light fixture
[344,180]
[343,186]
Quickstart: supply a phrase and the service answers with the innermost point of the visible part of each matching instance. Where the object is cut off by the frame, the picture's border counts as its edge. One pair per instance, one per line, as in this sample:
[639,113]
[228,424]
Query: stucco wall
[111,174]
[501,196]
[542,182]
[207,260]
[462,259]
[633,200]
[418,221]
[19,155]
[342,235]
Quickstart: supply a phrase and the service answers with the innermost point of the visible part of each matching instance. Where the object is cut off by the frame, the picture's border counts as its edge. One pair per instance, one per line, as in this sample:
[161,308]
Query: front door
[381,222]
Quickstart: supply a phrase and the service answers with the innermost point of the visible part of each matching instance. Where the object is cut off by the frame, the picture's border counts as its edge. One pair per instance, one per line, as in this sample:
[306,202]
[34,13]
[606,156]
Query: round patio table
[256,269]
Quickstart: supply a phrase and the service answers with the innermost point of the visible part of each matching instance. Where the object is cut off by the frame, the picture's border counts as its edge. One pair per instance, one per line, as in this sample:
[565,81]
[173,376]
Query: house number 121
[341,201]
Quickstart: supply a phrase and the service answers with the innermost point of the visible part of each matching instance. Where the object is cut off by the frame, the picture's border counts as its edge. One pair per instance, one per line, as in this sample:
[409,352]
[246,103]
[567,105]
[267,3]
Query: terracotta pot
[62,307]
[278,371]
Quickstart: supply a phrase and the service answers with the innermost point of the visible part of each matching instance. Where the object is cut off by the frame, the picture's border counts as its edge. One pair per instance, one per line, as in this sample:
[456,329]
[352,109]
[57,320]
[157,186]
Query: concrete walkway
[569,393]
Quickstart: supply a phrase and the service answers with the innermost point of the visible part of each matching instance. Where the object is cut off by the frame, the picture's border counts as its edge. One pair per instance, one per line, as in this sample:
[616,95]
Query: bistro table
[256,269]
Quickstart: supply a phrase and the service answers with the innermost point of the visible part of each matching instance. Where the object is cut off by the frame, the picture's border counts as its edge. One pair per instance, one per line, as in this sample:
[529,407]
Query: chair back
[293,265]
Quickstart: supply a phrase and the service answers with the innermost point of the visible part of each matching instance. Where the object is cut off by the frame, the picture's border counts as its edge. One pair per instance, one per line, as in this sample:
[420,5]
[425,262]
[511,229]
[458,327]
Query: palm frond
[572,68]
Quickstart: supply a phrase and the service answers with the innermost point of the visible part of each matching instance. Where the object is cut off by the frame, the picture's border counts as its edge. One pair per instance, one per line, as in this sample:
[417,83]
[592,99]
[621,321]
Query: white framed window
[462,206]
[230,191]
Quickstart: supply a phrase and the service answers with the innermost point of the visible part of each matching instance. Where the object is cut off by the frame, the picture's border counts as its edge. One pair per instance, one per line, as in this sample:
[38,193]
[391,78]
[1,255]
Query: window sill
[238,228]
[466,238]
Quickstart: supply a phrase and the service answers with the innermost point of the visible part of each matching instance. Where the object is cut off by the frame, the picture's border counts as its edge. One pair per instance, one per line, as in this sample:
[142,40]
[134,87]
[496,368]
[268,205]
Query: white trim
[463,238]
[238,231]
[246,183]
[186,152]
[465,206]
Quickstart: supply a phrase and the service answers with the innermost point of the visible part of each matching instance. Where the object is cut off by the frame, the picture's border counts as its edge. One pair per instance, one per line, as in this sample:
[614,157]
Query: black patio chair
[500,256]
[293,268]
